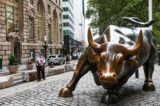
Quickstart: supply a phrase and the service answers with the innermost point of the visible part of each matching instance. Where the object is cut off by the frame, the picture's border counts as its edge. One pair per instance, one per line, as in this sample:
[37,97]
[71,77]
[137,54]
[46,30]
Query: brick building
[34,19]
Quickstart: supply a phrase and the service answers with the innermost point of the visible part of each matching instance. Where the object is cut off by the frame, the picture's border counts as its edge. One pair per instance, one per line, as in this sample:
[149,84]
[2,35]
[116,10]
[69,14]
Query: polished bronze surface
[114,57]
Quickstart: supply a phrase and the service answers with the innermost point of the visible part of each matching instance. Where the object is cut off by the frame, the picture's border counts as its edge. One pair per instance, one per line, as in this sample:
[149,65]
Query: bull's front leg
[111,96]
[148,84]
[82,69]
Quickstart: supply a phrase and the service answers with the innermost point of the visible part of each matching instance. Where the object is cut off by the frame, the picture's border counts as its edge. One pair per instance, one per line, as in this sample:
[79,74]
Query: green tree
[110,12]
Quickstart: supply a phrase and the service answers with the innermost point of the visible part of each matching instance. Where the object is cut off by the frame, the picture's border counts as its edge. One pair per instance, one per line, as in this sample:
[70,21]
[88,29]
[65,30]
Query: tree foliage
[110,12]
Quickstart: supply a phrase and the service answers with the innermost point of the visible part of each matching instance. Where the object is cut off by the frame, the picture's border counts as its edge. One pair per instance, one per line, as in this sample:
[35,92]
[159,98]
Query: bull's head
[112,58]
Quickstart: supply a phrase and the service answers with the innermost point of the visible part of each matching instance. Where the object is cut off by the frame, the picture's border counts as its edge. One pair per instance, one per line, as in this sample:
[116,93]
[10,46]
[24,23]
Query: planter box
[30,75]
[30,66]
[70,67]
[13,69]
[6,82]
[55,71]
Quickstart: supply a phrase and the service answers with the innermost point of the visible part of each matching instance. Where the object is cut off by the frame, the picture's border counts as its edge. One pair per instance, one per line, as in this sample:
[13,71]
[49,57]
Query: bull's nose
[109,78]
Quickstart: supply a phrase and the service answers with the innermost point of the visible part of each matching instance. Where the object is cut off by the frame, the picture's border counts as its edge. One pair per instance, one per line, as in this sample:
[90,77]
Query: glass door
[32,55]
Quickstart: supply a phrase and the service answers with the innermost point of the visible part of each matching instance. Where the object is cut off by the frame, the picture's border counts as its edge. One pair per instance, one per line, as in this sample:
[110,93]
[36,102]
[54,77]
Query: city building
[23,26]
[73,26]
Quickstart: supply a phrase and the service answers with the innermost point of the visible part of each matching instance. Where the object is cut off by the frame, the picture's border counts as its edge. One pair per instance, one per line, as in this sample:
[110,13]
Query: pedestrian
[67,59]
[40,67]
[51,62]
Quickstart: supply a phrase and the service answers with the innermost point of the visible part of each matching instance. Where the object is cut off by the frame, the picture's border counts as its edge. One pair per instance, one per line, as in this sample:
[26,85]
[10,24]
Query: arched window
[40,29]
[54,26]
[12,15]
[30,28]
[49,33]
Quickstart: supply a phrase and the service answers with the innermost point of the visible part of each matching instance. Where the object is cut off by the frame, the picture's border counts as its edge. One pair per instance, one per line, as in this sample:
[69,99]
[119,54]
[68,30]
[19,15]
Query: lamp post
[16,28]
[150,11]
[45,44]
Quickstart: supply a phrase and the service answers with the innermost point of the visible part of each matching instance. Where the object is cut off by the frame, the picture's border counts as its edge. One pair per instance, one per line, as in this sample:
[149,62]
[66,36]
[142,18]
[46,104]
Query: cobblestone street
[87,93]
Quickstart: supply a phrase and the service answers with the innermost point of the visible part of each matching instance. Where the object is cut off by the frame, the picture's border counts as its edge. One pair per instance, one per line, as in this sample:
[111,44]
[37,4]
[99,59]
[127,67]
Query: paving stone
[87,93]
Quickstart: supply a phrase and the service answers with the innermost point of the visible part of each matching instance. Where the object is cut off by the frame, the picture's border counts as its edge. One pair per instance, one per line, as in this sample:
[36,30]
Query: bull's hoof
[108,98]
[148,86]
[65,92]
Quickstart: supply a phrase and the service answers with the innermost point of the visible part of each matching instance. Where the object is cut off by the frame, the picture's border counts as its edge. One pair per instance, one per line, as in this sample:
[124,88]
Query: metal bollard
[158,57]
[136,74]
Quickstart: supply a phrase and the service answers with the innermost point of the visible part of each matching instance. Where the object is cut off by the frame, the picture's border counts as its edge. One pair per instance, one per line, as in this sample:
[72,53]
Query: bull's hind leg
[148,71]
[82,69]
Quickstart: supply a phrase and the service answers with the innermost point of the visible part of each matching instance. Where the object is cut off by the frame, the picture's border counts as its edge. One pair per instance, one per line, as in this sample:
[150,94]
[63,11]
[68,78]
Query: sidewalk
[23,68]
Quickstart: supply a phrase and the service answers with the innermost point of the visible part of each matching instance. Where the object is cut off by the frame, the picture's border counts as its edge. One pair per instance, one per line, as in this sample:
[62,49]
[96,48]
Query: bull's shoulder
[105,37]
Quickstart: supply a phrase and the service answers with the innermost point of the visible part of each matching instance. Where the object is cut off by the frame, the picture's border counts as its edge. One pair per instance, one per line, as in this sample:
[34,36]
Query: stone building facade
[34,19]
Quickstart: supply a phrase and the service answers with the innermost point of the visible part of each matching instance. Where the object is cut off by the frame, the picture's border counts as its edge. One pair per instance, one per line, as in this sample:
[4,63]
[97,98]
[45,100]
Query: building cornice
[2,1]
[56,5]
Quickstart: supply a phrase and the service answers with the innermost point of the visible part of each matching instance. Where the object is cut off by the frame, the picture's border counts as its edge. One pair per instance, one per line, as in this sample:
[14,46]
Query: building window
[60,35]
[60,16]
[65,24]
[39,9]
[49,33]
[50,52]
[42,51]
[66,32]
[30,1]
[65,8]
[30,28]
[56,1]
[48,9]
[12,15]
[31,55]
[65,17]
[65,0]
[59,2]
[54,26]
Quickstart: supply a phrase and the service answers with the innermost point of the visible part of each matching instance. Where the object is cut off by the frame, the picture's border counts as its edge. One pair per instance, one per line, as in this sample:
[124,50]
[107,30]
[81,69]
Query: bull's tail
[136,21]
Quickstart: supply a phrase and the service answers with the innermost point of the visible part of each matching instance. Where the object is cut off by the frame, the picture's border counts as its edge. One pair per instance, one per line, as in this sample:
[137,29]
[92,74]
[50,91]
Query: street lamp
[45,44]
[16,28]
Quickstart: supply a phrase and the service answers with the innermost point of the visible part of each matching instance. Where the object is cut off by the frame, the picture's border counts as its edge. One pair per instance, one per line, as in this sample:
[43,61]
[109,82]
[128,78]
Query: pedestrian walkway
[21,68]
[17,78]
[87,93]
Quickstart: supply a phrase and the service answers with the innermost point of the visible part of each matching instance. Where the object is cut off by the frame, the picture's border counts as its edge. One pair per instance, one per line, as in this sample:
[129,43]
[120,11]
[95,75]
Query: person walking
[51,62]
[40,67]
[67,59]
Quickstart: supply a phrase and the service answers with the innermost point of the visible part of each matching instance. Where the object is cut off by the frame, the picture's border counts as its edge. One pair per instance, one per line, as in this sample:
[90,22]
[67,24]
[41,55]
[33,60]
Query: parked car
[74,56]
[57,59]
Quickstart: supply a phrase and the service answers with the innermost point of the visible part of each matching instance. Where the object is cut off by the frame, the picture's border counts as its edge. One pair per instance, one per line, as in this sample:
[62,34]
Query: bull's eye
[120,62]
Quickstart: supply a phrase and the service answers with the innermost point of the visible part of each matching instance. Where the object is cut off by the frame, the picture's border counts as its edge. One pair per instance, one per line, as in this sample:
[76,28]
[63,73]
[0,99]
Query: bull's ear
[132,57]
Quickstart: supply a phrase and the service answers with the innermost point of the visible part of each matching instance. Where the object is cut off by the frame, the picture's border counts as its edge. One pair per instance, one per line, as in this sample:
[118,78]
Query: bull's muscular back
[127,37]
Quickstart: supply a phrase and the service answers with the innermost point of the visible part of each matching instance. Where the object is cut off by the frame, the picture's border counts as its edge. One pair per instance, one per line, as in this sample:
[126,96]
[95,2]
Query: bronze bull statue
[114,57]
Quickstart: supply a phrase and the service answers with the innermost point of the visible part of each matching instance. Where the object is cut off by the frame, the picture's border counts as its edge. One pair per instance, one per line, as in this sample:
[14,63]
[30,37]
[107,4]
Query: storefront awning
[58,47]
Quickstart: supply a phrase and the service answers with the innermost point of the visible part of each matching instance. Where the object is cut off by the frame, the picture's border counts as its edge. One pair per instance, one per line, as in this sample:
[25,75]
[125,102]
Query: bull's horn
[136,49]
[95,46]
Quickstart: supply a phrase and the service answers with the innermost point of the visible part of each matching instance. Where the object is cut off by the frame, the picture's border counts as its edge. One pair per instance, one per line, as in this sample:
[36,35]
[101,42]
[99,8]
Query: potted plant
[13,64]
[45,46]
[63,48]
[29,64]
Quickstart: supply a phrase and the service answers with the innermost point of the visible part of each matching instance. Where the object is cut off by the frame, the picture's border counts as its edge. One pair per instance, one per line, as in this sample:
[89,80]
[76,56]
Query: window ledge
[31,40]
